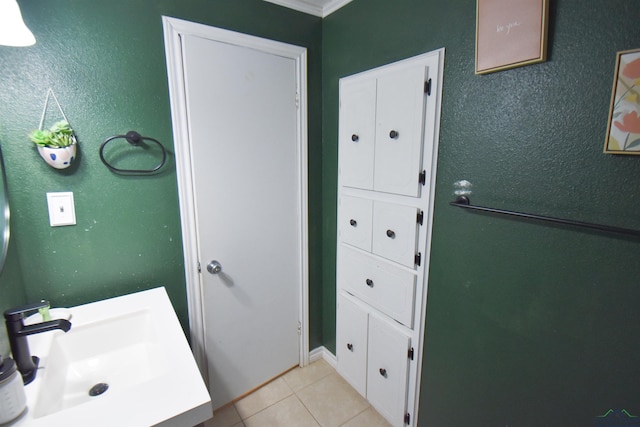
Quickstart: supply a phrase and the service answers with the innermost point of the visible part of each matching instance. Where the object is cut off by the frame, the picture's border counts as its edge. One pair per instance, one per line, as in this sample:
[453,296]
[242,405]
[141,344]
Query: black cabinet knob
[350,346]
[355,137]
[394,134]
[383,372]
[370,283]
[391,234]
[353,223]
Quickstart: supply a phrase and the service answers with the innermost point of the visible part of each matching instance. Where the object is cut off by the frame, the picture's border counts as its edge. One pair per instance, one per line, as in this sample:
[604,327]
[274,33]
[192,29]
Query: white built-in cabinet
[388,140]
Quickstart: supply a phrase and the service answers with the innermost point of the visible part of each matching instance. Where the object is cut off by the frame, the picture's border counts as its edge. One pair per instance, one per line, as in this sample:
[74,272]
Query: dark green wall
[105,61]
[527,324]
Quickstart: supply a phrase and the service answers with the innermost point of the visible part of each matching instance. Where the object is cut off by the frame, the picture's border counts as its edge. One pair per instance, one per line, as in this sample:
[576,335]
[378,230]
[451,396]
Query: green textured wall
[105,61]
[528,324]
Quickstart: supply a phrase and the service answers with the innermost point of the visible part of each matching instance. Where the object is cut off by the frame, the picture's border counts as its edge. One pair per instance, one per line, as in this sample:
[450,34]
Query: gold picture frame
[510,33]
[623,129]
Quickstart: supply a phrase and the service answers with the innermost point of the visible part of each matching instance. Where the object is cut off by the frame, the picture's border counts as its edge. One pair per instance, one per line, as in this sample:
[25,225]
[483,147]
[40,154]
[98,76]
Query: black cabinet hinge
[420,218]
[199,268]
[418,259]
[422,178]
[410,353]
[427,87]
[407,418]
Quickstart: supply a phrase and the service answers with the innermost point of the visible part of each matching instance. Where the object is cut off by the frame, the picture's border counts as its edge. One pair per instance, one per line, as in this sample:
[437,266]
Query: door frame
[174,29]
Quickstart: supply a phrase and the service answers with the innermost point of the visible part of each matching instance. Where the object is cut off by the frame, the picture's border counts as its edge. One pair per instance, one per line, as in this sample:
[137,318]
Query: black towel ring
[133,138]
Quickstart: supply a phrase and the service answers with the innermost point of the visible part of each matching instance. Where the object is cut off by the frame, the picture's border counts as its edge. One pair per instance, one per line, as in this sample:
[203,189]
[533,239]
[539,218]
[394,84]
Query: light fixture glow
[13,31]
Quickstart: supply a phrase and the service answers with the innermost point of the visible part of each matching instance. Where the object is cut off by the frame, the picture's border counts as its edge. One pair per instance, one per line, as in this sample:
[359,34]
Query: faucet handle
[18,313]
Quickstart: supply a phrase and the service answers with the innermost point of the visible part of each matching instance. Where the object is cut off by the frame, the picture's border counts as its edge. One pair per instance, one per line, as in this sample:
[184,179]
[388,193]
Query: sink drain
[98,389]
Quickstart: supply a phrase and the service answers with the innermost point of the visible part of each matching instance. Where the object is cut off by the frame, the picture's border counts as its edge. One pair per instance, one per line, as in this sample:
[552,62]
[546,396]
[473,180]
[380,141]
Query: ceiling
[320,8]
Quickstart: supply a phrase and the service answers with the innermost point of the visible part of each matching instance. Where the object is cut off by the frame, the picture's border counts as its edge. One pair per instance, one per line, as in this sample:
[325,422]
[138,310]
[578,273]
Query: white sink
[125,361]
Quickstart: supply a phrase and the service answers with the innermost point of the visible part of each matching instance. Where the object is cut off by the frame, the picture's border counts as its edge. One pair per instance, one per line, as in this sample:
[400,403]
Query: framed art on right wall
[623,129]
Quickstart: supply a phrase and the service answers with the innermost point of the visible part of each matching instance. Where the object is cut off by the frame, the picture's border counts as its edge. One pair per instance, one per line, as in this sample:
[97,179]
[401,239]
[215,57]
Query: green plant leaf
[40,137]
[61,127]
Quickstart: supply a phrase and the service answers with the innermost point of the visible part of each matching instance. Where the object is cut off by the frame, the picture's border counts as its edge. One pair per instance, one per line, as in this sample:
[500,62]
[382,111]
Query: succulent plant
[57,136]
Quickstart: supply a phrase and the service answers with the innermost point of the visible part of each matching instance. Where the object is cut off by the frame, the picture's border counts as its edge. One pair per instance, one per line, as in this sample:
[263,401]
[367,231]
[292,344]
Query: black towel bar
[464,202]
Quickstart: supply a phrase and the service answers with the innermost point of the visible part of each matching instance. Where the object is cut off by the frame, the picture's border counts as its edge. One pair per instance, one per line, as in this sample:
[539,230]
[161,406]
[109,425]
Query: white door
[245,160]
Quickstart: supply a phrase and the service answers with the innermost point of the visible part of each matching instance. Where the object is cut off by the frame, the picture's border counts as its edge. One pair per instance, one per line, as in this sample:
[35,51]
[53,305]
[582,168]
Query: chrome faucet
[18,332]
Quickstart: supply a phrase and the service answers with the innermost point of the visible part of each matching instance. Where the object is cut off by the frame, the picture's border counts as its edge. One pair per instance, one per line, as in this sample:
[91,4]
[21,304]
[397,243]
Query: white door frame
[174,29]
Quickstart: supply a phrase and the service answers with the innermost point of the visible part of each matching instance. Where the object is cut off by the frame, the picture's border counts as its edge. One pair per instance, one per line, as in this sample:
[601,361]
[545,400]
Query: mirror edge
[4,213]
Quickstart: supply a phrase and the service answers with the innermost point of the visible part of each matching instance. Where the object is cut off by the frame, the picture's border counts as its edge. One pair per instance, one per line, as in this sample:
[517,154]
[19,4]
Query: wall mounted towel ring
[133,138]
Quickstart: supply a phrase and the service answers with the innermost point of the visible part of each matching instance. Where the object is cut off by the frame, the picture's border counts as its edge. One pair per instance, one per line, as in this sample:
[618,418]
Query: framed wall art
[623,129]
[510,33]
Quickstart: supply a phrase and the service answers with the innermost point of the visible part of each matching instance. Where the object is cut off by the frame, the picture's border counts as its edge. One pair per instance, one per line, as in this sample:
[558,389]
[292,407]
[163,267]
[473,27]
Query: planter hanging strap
[46,103]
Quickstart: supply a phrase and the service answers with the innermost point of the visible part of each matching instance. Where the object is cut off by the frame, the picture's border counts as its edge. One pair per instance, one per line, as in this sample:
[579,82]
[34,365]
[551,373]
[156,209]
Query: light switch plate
[62,210]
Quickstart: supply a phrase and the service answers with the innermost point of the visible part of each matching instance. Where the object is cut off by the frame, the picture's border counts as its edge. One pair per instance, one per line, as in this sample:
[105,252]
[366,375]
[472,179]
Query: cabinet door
[356,136]
[351,343]
[355,221]
[399,131]
[395,232]
[387,371]
[380,284]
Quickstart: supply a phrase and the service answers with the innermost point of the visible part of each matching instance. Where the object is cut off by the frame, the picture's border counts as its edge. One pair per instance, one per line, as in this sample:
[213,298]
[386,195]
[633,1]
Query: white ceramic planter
[59,158]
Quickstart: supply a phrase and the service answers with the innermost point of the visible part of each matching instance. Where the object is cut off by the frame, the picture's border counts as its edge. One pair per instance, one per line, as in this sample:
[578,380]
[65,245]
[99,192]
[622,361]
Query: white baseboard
[322,353]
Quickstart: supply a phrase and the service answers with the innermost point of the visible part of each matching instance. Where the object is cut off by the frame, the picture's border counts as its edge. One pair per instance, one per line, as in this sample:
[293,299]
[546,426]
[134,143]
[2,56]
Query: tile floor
[312,396]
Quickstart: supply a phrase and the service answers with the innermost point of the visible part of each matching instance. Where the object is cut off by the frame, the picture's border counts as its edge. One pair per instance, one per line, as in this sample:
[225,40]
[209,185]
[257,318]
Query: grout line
[356,415]
[269,406]
[309,411]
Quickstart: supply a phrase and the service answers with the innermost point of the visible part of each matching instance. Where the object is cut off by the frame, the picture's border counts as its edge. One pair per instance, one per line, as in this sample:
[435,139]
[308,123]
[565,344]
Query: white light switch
[61,209]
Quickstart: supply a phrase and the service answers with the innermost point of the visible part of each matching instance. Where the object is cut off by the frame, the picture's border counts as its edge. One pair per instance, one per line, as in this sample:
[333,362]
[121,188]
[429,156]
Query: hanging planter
[58,157]
[56,145]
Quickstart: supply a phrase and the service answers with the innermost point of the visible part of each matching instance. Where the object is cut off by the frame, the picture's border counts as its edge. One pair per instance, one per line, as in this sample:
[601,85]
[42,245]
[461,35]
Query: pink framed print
[623,130]
[510,33]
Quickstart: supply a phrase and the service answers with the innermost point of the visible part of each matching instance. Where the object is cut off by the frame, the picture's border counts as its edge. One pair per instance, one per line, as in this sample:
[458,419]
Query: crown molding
[312,8]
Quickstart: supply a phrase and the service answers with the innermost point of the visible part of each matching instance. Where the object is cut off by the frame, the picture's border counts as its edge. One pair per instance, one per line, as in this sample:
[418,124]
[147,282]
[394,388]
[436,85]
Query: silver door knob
[214,267]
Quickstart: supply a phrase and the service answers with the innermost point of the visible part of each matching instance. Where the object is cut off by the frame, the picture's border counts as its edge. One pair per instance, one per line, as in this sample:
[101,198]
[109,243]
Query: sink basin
[125,361]
[119,352]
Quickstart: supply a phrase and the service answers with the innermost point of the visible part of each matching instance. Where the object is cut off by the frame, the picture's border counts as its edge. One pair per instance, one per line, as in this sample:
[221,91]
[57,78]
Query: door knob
[214,267]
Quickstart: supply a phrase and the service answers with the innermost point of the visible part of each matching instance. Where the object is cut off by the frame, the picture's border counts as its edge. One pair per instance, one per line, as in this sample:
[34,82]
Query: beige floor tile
[225,417]
[299,378]
[368,418]
[266,396]
[332,401]
[289,412]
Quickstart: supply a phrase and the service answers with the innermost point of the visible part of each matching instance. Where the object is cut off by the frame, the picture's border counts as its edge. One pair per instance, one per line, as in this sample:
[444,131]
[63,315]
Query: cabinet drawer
[387,288]
[355,221]
[395,232]
[351,344]
[387,370]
